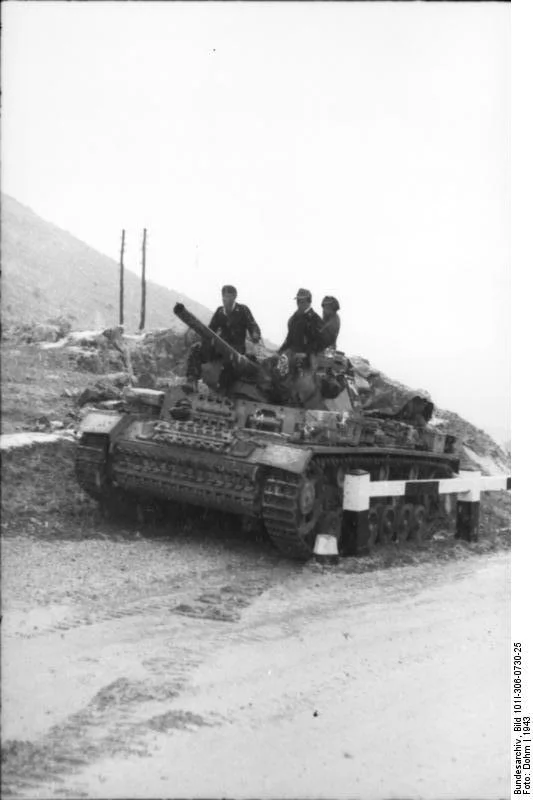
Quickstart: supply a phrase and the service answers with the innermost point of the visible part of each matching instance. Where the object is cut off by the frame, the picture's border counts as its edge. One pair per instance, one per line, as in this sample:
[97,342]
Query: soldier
[230,321]
[331,322]
[304,327]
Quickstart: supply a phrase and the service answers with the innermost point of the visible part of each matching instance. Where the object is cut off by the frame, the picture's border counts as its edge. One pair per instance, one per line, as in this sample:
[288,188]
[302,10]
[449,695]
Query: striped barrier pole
[358,490]
[356,503]
[467,520]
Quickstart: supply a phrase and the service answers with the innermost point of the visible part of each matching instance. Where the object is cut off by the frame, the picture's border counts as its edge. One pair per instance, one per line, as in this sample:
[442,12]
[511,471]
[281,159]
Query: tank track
[282,491]
[144,470]
[91,464]
[280,514]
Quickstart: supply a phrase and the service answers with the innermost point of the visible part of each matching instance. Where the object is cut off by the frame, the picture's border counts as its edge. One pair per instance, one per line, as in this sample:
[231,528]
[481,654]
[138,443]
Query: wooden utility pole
[121,290]
[143,283]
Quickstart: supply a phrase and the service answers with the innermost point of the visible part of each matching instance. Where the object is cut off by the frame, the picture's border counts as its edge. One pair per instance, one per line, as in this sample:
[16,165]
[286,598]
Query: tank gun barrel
[241,362]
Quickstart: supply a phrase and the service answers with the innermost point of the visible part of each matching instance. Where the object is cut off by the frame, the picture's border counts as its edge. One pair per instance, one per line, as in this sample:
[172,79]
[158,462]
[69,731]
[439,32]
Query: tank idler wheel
[373,527]
[419,524]
[414,472]
[386,524]
[404,522]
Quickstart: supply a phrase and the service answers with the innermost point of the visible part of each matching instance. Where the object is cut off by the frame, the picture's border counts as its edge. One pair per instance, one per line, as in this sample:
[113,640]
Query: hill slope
[47,272]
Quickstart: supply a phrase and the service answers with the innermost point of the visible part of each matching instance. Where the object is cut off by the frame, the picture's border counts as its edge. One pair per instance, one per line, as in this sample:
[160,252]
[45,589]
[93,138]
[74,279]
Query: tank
[268,440]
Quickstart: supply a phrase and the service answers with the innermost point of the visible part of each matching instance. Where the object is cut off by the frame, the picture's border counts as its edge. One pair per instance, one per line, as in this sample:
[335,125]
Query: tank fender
[102,422]
[291,459]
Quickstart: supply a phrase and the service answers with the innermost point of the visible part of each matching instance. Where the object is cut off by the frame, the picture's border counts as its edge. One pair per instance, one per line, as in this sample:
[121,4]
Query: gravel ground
[238,674]
[119,637]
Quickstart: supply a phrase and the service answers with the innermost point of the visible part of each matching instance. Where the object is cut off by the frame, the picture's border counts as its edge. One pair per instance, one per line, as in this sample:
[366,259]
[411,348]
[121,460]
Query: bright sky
[355,149]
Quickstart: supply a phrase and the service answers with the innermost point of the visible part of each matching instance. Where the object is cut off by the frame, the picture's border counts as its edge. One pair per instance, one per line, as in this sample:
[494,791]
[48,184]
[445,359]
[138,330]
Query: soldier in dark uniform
[231,321]
[304,327]
[331,322]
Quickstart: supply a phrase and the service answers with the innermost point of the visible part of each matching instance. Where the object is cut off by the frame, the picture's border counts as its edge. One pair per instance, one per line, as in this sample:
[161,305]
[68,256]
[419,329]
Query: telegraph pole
[143,283]
[121,290]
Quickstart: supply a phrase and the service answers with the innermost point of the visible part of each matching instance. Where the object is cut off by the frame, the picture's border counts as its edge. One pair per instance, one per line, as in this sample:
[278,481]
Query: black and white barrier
[359,489]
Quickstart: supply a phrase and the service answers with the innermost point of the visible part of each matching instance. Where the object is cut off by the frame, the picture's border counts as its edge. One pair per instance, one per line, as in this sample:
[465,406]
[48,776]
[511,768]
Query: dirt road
[203,671]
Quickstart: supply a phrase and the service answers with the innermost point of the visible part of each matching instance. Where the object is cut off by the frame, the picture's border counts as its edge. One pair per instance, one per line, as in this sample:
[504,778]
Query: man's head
[229,295]
[303,299]
[330,305]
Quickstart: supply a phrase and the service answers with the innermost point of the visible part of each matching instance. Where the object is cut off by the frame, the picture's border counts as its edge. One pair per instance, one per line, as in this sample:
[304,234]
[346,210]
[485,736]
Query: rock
[159,352]
[90,339]
[40,424]
[146,381]
[46,333]
[56,425]
[89,362]
[63,324]
[118,378]
[98,393]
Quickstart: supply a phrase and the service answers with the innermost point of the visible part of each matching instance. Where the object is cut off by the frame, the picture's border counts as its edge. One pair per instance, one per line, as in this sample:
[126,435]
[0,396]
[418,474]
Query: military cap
[303,294]
[229,290]
[329,300]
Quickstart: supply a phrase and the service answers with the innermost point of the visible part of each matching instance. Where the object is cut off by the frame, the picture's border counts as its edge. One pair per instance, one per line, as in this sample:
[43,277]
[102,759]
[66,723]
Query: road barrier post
[326,549]
[356,502]
[467,520]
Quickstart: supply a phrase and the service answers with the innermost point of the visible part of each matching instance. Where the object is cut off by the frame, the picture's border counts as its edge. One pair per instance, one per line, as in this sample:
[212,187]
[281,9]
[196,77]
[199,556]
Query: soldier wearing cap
[304,327]
[331,322]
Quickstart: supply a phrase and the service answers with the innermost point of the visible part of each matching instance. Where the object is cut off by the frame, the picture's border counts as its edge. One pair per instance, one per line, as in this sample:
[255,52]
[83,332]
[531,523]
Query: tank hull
[293,488]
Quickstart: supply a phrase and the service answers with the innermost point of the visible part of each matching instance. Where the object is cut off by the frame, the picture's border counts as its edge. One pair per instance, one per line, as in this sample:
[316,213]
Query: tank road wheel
[386,524]
[403,522]
[419,524]
[292,507]
[307,499]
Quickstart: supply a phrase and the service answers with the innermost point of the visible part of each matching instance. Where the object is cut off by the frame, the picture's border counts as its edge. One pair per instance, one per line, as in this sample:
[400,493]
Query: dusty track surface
[147,668]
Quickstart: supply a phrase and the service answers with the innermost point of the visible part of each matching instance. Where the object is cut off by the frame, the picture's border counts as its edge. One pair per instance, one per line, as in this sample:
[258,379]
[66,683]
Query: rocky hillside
[480,451]
[48,273]
[156,359]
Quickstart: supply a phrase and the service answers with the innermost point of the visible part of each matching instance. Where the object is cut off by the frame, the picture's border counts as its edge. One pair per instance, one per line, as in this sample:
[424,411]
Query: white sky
[360,150]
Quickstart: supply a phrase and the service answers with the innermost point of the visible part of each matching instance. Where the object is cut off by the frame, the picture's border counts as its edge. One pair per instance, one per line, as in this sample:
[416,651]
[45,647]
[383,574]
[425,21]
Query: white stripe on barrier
[473,494]
[356,492]
[493,483]
[474,483]
[358,489]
